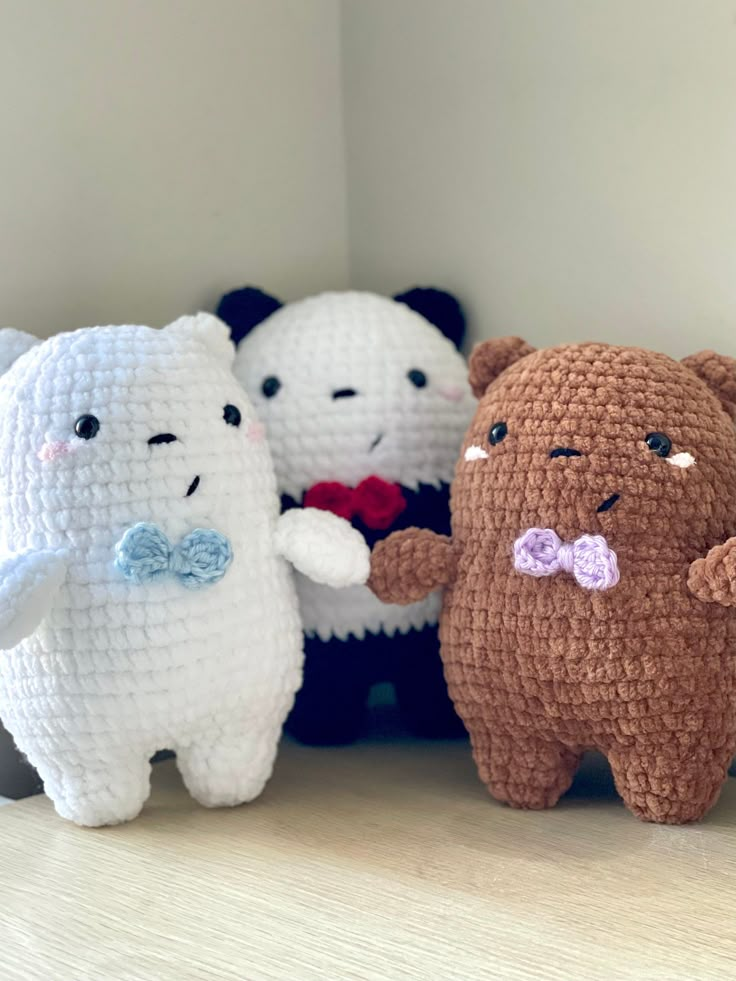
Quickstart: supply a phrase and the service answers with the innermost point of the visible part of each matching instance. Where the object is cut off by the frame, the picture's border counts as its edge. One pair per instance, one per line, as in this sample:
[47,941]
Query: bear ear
[244,309]
[13,343]
[489,358]
[207,330]
[718,371]
[439,308]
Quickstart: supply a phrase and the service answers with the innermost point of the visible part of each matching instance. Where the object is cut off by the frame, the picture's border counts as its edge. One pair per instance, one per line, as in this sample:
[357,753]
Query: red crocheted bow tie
[376,502]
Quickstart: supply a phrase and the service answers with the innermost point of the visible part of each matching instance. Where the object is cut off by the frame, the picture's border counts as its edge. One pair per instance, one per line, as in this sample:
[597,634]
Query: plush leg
[330,707]
[421,690]
[668,783]
[224,769]
[523,769]
[99,791]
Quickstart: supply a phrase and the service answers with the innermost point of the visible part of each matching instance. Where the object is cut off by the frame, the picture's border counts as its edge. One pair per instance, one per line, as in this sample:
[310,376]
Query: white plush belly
[339,613]
[154,662]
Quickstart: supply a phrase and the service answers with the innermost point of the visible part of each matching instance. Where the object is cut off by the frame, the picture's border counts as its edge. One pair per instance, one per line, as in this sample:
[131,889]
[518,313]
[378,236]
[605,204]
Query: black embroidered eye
[417,377]
[231,415]
[270,386]
[498,432]
[87,427]
[659,443]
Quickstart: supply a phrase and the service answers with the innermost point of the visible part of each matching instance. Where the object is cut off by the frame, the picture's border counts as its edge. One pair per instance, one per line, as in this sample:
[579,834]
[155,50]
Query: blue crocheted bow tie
[200,559]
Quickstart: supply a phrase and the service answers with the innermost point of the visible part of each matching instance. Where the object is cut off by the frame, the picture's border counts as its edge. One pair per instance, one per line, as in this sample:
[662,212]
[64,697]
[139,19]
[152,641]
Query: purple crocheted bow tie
[541,552]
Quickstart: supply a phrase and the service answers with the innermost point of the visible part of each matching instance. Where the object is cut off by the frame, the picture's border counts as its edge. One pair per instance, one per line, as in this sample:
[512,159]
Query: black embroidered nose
[564,451]
[162,438]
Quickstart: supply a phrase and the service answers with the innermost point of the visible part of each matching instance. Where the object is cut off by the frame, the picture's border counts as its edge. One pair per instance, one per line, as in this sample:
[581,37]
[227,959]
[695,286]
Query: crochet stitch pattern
[540,552]
[626,646]
[200,559]
[146,601]
[365,400]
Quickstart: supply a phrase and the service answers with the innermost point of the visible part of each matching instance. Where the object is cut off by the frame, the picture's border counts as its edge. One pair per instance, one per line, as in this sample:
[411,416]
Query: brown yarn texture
[540,669]
[414,563]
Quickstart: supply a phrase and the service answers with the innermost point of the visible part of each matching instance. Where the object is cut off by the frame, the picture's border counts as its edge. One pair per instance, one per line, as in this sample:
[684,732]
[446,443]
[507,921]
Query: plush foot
[328,720]
[99,792]
[524,770]
[231,769]
[669,785]
[330,707]
[421,690]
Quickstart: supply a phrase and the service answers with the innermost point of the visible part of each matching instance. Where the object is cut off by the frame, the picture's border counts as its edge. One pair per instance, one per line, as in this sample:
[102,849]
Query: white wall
[155,152]
[568,166]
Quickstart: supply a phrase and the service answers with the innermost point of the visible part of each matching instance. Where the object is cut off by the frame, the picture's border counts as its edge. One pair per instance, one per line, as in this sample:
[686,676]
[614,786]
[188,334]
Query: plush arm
[29,582]
[713,579]
[323,547]
[411,564]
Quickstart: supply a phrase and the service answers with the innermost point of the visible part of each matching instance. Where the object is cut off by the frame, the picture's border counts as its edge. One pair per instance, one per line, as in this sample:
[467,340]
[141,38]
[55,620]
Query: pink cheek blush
[54,451]
[452,394]
[256,432]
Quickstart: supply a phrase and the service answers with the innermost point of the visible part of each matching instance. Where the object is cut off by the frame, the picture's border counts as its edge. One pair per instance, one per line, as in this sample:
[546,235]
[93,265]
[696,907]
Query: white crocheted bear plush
[365,400]
[146,599]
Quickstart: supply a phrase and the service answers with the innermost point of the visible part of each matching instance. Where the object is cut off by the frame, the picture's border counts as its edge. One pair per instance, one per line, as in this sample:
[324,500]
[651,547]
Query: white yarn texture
[324,550]
[368,343]
[106,672]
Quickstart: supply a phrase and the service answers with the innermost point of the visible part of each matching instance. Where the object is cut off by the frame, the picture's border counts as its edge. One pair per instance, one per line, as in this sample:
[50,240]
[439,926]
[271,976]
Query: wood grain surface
[379,861]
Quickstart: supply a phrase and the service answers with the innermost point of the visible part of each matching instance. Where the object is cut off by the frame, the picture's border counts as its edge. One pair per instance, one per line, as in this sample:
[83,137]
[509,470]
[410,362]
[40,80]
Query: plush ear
[719,373]
[244,309]
[439,308]
[489,358]
[13,343]
[207,330]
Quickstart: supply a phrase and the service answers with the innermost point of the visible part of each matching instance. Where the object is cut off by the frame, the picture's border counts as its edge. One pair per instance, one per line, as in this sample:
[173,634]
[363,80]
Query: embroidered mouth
[608,503]
[564,451]
[192,487]
[375,442]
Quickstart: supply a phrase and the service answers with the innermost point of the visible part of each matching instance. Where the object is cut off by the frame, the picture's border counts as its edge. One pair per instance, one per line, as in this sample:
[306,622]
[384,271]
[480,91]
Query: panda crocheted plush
[591,574]
[145,596]
[365,400]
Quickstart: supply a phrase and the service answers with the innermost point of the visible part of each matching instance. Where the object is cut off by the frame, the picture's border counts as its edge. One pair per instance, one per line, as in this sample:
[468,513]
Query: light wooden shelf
[378,861]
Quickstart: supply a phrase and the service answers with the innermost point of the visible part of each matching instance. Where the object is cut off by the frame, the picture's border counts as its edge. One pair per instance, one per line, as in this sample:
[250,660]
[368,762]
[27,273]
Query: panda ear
[13,343]
[244,309]
[439,308]
[489,358]
[208,330]
[718,371]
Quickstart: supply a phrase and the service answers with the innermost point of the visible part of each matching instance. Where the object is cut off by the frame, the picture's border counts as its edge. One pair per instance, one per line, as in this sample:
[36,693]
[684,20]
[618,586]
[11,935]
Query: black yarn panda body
[340,669]
[330,707]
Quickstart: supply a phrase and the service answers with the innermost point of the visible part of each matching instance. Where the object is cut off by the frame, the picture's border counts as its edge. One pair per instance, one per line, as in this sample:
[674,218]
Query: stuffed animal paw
[713,579]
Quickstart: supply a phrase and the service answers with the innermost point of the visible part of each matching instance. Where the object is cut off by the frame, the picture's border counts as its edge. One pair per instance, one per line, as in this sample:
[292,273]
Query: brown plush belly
[647,667]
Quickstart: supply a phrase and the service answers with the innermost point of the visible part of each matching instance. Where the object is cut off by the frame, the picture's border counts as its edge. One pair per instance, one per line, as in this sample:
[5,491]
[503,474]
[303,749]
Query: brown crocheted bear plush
[590,579]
